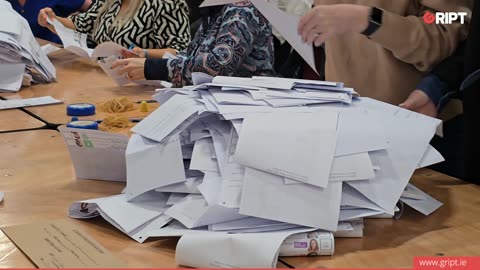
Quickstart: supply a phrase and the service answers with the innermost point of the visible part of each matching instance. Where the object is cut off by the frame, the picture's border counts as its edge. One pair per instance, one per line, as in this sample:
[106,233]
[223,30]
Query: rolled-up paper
[317,243]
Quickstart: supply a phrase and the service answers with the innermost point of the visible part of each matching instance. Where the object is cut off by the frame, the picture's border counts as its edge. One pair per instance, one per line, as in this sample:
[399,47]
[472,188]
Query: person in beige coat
[382,47]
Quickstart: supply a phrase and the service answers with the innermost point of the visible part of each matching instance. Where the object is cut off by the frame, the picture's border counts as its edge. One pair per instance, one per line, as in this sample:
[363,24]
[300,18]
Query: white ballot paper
[121,80]
[76,43]
[287,25]
[146,159]
[49,48]
[220,250]
[27,102]
[136,218]
[11,76]
[96,154]
[265,195]
[304,151]
[409,136]
[424,203]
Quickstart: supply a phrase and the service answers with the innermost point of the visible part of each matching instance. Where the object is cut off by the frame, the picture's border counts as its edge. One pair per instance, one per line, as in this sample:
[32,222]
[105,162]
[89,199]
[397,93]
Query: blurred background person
[233,40]
[146,24]
[456,77]
[30,9]
[381,48]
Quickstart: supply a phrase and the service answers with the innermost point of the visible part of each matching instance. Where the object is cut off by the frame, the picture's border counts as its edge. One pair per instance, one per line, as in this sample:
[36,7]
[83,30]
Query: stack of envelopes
[21,58]
[232,162]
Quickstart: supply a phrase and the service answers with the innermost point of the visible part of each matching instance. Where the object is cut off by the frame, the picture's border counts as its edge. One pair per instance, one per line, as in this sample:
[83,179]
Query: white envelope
[304,151]
[265,196]
[152,165]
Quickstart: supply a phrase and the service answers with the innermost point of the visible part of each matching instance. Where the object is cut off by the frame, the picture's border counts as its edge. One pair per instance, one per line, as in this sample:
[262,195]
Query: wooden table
[453,230]
[38,180]
[15,119]
[79,80]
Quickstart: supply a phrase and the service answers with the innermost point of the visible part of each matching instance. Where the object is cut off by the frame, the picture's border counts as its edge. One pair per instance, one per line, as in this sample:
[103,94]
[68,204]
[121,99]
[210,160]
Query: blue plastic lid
[81,109]
[83,125]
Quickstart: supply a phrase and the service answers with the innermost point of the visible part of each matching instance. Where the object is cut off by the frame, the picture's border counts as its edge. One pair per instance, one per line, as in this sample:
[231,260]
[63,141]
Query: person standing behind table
[153,25]
[458,76]
[382,48]
[29,9]
[233,40]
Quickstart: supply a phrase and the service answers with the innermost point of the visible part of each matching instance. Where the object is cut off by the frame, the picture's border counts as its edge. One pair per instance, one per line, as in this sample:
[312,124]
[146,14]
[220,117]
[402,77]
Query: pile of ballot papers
[22,61]
[240,166]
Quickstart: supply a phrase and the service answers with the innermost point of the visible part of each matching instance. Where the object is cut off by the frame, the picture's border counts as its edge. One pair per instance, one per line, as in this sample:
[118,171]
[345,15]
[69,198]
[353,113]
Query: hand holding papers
[236,172]
[76,43]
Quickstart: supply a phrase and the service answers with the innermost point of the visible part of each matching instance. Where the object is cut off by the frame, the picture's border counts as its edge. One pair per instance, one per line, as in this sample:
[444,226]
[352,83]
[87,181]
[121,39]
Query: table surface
[79,80]
[40,186]
[15,119]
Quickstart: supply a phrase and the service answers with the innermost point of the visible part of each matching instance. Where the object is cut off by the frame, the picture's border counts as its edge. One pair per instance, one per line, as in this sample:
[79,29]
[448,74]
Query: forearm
[159,53]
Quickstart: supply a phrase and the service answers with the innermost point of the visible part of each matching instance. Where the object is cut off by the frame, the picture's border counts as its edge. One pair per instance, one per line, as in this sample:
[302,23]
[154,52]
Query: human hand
[324,21]
[44,14]
[132,68]
[419,102]
[134,53]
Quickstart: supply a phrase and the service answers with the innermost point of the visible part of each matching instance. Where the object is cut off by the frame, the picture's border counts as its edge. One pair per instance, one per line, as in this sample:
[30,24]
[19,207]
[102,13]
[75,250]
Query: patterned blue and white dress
[237,41]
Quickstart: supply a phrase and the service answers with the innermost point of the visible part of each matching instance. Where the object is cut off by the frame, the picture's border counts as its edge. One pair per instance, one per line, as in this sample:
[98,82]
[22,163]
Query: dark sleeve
[65,8]
[433,87]
[156,69]
[450,71]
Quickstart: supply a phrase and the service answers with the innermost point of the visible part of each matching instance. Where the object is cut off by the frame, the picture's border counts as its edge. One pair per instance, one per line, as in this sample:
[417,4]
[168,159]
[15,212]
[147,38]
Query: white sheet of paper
[409,136]
[27,102]
[73,41]
[11,76]
[426,206]
[121,80]
[152,165]
[96,154]
[303,152]
[244,223]
[287,25]
[49,48]
[127,215]
[160,123]
[358,133]
[264,195]
[351,197]
[273,228]
[350,214]
[211,188]
[431,156]
[199,78]
[107,49]
[352,167]
[231,250]
[201,156]
[348,168]
[194,212]
[189,186]
[175,198]
[1,196]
